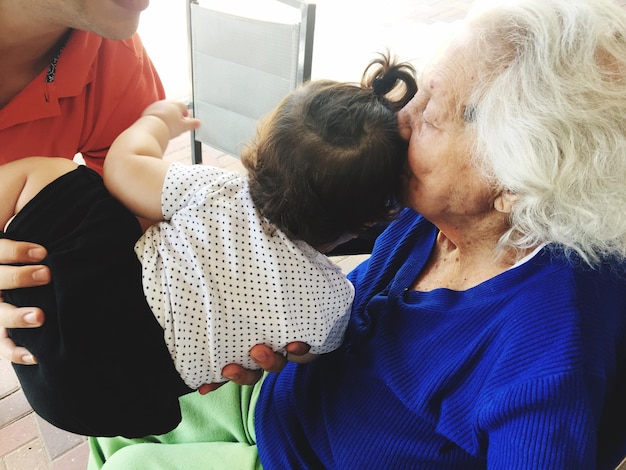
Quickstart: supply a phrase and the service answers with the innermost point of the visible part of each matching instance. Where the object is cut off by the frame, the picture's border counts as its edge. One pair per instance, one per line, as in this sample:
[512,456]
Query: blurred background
[348,34]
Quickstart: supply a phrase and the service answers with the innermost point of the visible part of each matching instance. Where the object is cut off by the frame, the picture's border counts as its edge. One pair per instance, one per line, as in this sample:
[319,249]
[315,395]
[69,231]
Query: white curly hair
[549,120]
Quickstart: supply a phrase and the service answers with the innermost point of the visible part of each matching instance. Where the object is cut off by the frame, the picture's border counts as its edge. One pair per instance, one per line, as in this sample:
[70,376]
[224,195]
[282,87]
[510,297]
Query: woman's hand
[266,359]
[12,252]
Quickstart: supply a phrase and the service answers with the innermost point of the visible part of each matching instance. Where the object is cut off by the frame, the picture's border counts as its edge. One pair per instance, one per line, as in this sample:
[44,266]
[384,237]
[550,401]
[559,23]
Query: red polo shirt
[100,88]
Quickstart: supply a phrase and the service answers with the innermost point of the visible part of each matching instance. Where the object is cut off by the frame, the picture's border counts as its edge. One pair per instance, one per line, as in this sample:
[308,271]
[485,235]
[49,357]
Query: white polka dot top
[221,279]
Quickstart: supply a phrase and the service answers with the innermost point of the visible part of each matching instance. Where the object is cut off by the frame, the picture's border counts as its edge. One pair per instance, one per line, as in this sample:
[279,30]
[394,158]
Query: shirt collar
[40,98]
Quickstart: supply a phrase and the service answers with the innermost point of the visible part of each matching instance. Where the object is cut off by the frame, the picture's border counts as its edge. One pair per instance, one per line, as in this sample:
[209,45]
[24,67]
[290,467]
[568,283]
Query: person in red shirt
[74,75]
[91,91]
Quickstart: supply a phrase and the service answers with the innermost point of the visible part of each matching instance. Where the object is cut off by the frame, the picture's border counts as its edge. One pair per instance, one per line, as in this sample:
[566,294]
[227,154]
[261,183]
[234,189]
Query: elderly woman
[489,325]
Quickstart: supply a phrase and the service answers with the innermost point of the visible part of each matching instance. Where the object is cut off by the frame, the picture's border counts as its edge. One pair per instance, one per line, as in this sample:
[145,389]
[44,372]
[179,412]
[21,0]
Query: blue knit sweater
[524,371]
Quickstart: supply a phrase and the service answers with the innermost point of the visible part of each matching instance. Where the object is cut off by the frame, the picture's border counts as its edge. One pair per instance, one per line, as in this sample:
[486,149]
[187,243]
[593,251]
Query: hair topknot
[329,161]
[391,81]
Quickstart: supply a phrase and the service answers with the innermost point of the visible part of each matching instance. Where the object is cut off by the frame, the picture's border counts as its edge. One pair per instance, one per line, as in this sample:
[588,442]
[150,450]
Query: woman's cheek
[413,162]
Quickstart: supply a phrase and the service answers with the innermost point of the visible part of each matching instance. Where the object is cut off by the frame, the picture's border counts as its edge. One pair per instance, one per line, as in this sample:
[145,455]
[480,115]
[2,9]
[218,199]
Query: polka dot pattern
[221,279]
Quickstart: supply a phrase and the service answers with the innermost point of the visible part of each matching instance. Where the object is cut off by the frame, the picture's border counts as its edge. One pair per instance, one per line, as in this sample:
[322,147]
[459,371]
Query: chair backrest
[242,66]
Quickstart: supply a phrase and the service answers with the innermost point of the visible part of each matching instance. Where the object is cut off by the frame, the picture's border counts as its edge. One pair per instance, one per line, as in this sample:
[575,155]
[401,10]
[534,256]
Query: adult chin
[118,20]
[135,6]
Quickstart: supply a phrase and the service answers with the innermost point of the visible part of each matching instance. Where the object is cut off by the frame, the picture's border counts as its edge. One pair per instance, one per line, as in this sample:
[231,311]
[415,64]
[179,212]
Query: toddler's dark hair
[329,160]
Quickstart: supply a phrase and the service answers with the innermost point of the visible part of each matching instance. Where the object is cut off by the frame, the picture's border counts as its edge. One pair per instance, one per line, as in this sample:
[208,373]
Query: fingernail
[37,253]
[40,275]
[259,356]
[29,359]
[30,317]
[233,377]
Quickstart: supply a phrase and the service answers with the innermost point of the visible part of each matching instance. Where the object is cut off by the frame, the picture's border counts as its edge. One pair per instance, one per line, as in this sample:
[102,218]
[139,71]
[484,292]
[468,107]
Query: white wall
[163,29]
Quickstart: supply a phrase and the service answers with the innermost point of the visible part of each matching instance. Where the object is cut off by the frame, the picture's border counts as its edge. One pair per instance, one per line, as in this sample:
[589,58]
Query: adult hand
[12,252]
[266,359]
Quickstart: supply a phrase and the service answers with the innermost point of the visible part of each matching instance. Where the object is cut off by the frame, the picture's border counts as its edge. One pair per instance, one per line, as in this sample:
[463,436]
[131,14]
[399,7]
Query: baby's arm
[134,179]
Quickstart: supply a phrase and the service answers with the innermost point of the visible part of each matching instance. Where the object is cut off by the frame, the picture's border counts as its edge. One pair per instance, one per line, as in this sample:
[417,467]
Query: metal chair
[242,66]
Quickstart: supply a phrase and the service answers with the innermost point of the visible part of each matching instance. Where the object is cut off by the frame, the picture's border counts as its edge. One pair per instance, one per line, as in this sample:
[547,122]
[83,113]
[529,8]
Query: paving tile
[214,157]
[348,263]
[234,164]
[8,380]
[182,156]
[17,434]
[57,441]
[31,456]
[180,142]
[75,459]
[13,407]
[179,149]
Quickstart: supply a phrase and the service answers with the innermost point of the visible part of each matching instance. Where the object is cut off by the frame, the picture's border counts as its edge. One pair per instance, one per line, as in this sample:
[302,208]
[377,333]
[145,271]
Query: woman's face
[442,183]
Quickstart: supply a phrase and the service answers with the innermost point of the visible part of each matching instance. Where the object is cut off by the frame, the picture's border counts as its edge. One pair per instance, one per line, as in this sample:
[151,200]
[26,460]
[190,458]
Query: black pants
[104,368]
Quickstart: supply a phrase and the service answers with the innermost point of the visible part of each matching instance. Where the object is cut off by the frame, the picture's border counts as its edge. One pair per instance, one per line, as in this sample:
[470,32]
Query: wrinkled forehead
[452,71]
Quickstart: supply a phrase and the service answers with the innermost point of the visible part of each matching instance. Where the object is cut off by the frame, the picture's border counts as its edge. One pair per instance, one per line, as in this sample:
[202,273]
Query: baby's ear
[505,201]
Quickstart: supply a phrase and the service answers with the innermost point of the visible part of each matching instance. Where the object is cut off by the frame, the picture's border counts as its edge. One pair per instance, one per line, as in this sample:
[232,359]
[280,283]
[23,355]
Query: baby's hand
[174,114]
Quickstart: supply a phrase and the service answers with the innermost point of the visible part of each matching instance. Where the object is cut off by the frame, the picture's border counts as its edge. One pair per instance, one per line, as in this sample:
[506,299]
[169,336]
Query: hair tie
[383,85]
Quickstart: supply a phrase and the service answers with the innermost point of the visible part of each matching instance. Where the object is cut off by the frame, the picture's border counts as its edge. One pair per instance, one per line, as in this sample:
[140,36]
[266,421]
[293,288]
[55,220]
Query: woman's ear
[505,201]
